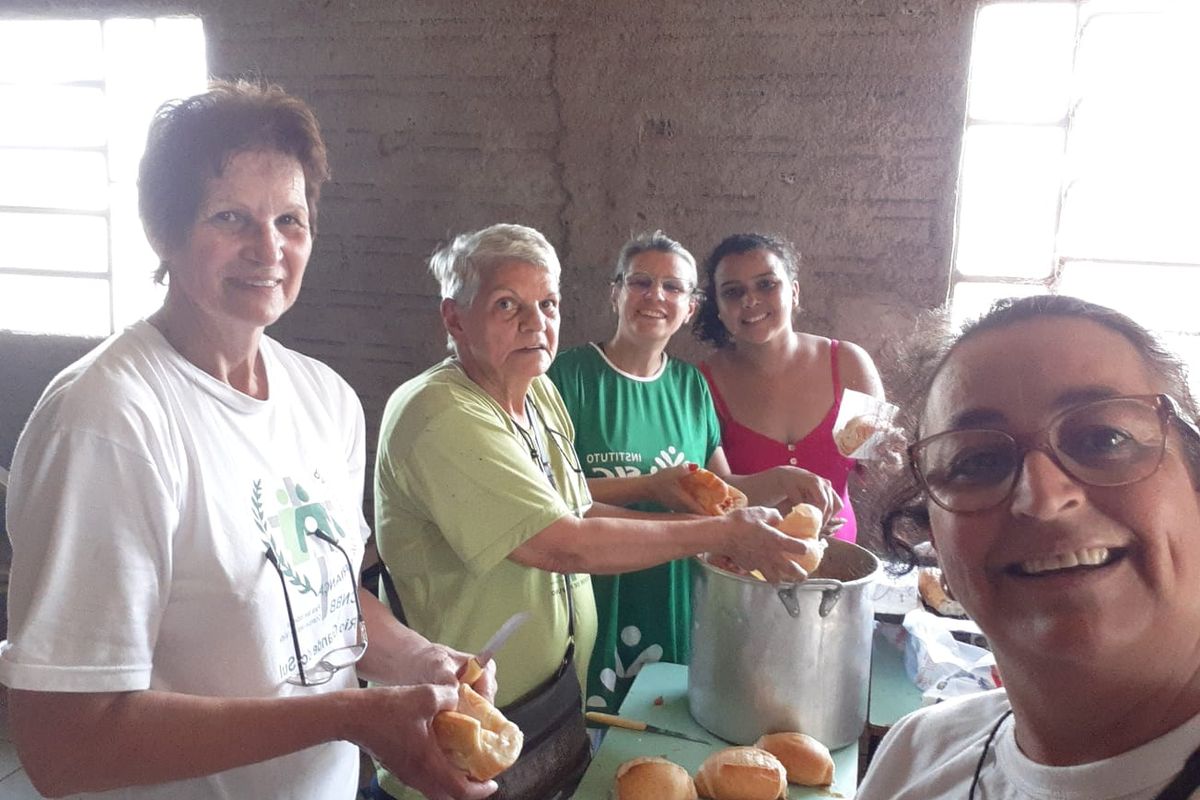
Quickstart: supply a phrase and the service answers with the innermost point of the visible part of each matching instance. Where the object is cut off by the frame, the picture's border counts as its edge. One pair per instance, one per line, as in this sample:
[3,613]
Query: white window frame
[1184,337]
[174,66]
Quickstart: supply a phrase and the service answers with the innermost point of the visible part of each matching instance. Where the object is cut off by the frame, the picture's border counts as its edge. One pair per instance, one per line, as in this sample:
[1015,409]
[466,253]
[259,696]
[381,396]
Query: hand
[797,485]
[753,543]
[397,731]
[432,663]
[664,488]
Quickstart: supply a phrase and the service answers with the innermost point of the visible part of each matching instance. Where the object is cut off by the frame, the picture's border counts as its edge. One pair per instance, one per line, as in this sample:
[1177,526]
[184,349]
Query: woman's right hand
[395,726]
[752,542]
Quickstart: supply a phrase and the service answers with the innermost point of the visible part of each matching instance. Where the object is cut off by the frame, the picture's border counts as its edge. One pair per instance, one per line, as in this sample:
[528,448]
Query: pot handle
[831,592]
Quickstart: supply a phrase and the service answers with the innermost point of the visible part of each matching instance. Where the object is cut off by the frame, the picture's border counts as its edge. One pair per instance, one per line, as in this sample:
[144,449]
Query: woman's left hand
[438,664]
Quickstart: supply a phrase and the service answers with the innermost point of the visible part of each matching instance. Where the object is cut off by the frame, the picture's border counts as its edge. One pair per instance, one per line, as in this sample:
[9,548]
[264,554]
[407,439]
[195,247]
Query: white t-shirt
[932,753]
[144,494]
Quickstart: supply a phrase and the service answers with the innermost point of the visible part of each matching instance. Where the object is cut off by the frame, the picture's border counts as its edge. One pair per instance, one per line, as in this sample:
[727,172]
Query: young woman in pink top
[777,390]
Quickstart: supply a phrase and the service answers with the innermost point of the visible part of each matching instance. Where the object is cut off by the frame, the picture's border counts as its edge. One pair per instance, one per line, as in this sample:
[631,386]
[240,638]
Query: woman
[777,390]
[185,511]
[641,420]
[1056,469]
[482,510]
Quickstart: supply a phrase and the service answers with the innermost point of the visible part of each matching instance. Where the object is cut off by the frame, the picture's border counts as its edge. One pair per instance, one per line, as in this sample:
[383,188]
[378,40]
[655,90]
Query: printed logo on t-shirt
[315,575]
[628,465]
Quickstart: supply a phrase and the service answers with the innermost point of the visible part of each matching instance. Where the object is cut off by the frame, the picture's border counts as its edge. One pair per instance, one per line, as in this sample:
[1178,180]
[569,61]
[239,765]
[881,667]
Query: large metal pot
[795,657]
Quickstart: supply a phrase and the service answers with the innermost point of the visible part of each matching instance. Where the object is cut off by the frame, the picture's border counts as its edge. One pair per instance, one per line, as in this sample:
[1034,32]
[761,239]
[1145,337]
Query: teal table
[669,682]
[893,694]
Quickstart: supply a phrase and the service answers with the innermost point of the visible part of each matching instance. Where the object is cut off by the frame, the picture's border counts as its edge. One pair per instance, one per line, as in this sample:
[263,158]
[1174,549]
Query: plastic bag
[864,430]
[939,664]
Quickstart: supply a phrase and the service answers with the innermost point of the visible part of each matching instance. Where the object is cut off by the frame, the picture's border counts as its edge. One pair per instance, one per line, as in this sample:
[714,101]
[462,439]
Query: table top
[669,682]
[893,694]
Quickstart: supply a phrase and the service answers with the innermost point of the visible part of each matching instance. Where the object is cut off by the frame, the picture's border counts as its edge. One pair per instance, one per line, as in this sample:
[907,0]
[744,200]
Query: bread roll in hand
[653,778]
[477,737]
[807,761]
[804,521]
[742,773]
[714,495]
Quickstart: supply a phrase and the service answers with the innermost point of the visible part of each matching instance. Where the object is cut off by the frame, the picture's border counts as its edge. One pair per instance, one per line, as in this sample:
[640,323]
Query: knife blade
[471,671]
[614,721]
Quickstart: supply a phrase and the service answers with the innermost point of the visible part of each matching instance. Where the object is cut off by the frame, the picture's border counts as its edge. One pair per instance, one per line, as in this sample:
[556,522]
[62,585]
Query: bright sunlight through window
[76,98]
[1080,168]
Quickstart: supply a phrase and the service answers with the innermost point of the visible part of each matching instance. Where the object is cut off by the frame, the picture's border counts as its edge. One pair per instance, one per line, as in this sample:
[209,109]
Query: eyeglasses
[339,658]
[1109,442]
[640,282]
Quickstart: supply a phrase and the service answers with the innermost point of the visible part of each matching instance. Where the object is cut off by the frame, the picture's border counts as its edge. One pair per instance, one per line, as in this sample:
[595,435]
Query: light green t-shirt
[627,425]
[456,491]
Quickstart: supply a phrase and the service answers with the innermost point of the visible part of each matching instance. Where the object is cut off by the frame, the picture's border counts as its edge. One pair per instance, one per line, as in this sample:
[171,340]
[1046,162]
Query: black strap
[983,756]
[1186,782]
[1181,788]
[389,588]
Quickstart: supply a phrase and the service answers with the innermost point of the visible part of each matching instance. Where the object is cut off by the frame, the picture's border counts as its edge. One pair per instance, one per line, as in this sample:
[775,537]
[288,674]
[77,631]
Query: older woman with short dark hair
[482,510]
[1055,465]
[186,515]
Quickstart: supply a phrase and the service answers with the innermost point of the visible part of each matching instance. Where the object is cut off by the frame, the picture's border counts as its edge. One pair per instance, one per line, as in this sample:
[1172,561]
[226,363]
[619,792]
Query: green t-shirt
[626,425]
[456,491]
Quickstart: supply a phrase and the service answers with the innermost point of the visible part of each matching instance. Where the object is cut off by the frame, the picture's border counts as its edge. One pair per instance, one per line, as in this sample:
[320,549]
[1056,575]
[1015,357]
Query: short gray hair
[649,242]
[460,265]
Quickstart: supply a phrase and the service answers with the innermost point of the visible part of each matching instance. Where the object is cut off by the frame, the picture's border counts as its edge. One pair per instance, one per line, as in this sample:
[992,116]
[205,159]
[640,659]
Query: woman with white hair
[482,510]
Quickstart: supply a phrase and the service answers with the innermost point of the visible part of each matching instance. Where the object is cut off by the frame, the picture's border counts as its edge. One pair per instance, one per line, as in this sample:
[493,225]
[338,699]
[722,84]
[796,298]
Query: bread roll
[742,773]
[804,521]
[714,495]
[933,593]
[653,778]
[478,738]
[855,433]
[806,760]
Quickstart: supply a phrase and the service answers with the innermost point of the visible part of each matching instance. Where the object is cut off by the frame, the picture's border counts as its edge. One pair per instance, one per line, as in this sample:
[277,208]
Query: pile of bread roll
[761,772]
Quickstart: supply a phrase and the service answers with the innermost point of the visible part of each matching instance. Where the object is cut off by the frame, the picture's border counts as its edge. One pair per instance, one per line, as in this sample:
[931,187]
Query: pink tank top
[749,451]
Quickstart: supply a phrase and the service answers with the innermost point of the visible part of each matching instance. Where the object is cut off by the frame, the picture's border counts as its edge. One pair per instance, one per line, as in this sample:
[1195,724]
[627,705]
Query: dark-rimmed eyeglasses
[1109,442]
[641,283]
[324,668]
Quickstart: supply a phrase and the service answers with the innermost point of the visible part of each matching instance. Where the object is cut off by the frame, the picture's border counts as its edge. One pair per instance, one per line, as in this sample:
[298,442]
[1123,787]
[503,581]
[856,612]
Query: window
[76,98]
[1080,167]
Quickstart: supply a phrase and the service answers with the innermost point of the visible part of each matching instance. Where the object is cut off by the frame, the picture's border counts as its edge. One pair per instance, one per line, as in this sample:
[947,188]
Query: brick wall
[833,122]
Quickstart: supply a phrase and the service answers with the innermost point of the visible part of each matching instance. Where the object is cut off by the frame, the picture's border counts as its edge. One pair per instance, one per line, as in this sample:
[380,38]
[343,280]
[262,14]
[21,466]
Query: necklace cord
[1180,788]
[983,756]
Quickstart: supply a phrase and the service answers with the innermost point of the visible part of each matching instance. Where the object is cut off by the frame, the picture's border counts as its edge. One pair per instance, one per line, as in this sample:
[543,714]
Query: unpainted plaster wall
[833,122]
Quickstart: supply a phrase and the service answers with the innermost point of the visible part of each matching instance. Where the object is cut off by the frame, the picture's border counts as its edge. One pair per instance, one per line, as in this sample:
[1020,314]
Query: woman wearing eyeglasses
[777,390]
[482,509]
[1056,468]
[186,515]
[642,419]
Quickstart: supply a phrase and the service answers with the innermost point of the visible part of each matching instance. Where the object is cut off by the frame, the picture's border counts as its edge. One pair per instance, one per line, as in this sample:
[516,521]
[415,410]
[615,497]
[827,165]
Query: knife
[471,671]
[637,725]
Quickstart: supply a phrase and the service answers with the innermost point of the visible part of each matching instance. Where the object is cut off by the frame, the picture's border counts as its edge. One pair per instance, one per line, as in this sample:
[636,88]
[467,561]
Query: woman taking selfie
[1055,469]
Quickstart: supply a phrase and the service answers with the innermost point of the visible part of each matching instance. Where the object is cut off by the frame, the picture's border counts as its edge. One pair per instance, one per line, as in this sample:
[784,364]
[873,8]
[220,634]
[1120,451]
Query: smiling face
[1064,570]
[244,259]
[508,335]
[655,314]
[755,296]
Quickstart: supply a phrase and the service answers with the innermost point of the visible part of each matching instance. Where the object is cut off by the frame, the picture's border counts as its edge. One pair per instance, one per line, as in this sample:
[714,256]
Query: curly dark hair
[192,140]
[903,509]
[707,327]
